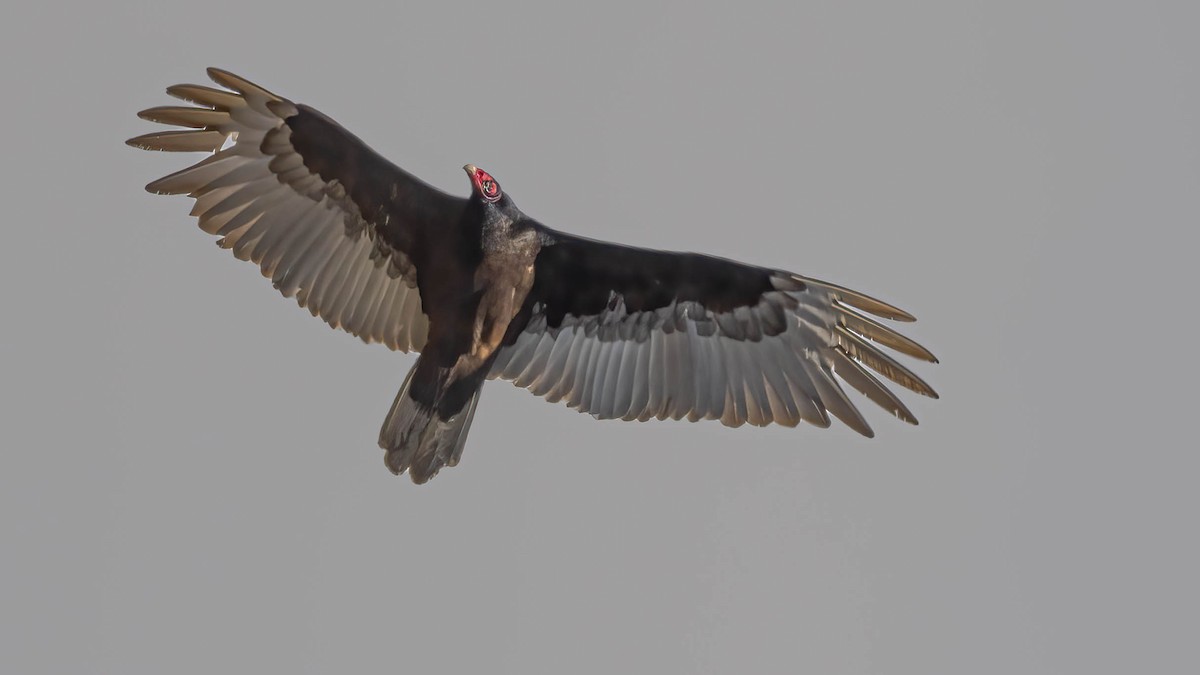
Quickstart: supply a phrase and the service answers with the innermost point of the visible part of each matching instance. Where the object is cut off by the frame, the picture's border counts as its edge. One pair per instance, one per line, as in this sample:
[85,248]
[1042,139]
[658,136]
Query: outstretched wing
[328,220]
[630,333]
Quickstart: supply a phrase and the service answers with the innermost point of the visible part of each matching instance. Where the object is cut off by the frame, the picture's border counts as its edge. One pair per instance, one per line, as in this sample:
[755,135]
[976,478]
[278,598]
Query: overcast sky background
[190,481]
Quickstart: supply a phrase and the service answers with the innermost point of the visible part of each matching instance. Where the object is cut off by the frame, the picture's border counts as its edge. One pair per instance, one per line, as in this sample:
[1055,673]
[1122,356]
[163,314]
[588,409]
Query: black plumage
[483,291]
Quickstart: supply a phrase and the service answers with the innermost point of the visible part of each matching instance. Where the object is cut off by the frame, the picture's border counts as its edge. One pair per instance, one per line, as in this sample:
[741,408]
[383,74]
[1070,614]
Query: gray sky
[189,478]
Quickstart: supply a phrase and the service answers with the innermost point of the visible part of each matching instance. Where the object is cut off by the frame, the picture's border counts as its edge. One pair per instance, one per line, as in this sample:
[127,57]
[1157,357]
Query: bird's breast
[502,281]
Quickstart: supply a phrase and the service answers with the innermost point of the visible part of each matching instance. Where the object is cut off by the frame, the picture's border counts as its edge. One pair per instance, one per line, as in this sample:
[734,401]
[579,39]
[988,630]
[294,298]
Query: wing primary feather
[881,363]
[179,141]
[809,406]
[861,301]
[254,95]
[202,95]
[196,176]
[861,379]
[186,116]
[835,399]
[804,392]
[880,333]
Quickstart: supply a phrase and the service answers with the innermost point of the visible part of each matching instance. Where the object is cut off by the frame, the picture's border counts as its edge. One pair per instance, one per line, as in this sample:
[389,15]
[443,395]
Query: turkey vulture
[483,291]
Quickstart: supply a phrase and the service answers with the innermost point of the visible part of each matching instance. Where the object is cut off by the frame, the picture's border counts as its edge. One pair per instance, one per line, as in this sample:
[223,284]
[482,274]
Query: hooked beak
[471,170]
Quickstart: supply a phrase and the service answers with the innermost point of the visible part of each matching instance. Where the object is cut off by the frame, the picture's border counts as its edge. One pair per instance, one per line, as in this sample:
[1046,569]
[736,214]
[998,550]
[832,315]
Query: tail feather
[405,417]
[468,415]
[418,440]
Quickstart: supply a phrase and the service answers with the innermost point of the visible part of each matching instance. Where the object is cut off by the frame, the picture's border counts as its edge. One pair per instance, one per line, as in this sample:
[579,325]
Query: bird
[482,291]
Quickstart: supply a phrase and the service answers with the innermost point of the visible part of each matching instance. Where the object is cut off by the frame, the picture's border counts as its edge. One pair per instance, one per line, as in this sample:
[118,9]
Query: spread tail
[418,439]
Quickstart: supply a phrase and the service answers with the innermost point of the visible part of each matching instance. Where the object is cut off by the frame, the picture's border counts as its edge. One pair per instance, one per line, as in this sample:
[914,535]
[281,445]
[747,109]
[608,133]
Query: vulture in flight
[483,291]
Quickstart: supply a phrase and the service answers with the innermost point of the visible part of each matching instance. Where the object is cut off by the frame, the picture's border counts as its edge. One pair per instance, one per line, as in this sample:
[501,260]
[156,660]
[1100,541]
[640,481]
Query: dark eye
[489,187]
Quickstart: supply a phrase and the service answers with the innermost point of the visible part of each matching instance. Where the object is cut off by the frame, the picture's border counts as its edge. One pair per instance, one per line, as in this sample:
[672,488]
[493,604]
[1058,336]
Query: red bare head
[485,185]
